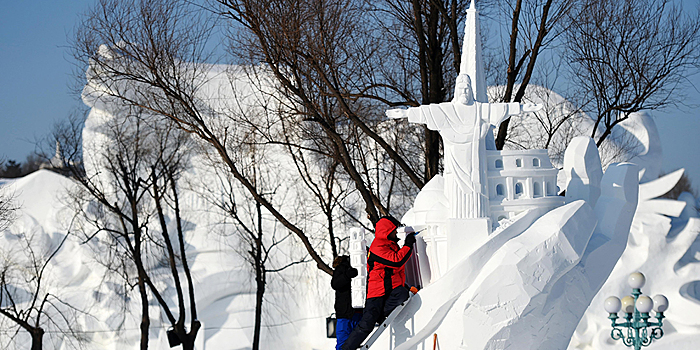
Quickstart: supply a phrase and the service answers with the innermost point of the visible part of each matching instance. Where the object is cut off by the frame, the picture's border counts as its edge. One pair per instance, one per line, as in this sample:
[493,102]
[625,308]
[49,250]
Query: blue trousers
[344,326]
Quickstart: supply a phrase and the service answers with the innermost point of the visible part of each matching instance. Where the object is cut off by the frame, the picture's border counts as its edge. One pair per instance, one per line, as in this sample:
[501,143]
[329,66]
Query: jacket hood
[383,228]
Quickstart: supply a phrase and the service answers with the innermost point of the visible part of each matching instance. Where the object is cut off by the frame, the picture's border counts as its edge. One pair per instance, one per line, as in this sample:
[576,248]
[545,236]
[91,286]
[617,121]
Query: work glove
[352,272]
[410,240]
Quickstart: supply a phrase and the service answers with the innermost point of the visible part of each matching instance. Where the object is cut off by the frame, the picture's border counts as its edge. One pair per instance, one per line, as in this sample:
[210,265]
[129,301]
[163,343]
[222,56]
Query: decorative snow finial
[472,62]
[58,149]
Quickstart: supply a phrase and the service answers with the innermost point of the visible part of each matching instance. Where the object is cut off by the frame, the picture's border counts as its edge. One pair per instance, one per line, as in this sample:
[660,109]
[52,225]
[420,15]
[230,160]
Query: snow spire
[472,63]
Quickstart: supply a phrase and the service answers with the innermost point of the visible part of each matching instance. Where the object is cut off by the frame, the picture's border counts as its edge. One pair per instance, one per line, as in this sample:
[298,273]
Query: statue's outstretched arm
[414,115]
[503,111]
[397,113]
[531,107]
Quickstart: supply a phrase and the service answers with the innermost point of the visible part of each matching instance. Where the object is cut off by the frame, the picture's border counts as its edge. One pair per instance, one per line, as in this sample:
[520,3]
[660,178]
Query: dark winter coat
[386,261]
[342,275]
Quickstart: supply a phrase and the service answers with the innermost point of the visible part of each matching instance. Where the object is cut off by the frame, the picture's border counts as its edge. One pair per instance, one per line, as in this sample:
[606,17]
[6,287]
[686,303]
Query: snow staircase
[377,332]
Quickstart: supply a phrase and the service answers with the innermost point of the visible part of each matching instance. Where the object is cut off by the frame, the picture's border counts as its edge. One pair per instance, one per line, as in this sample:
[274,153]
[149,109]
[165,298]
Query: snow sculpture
[644,145]
[530,283]
[478,179]
[358,260]
[664,249]
[463,125]
[527,283]
[690,211]
[428,215]
[552,286]
[583,170]
[519,180]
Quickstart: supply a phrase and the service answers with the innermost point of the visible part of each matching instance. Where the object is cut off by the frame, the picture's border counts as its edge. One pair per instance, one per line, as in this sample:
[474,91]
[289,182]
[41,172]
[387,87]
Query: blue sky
[36,74]
[35,70]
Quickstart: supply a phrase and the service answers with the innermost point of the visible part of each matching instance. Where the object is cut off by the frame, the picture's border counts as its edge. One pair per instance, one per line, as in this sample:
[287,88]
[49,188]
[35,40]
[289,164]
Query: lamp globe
[636,280]
[644,304]
[612,305]
[628,304]
[660,303]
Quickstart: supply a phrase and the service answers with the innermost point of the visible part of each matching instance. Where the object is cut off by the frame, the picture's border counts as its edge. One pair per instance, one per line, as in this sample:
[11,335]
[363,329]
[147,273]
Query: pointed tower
[472,63]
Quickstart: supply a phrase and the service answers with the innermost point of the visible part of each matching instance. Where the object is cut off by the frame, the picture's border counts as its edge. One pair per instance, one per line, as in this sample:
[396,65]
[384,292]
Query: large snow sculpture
[526,284]
[482,185]
[463,124]
[530,283]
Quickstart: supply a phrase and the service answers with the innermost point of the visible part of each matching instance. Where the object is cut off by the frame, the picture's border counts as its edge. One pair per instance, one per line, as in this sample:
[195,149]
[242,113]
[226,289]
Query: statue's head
[463,90]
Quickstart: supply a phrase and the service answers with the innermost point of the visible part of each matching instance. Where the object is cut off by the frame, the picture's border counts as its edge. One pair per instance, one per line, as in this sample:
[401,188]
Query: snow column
[358,260]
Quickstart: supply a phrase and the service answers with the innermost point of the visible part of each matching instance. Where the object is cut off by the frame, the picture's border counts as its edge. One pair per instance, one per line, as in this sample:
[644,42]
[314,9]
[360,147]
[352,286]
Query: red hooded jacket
[386,261]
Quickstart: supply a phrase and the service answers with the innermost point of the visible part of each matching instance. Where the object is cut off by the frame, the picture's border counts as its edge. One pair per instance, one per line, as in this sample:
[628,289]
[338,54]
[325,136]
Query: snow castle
[519,180]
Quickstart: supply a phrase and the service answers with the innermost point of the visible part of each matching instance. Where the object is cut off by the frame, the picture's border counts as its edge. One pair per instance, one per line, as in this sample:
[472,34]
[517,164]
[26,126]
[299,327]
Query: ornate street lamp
[636,308]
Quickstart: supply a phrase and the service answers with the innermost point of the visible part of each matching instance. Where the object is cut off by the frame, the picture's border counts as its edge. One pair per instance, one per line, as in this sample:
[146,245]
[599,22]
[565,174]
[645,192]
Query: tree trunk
[502,134]
[331,233]
[145,319]
[188,343]
[430,57]
[432,153]
[37,338]
[259,280]
[258,308]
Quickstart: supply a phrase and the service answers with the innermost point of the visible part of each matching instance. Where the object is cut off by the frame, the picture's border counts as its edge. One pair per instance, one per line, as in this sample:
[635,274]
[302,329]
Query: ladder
[377,332]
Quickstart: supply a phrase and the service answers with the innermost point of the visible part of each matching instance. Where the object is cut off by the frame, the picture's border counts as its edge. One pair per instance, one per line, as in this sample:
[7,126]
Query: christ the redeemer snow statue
[464,124]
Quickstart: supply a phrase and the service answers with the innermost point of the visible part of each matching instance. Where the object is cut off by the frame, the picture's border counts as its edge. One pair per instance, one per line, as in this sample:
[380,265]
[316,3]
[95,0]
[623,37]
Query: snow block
[659,187]
[464,236]
[583,170]
[505,310]
[358,260]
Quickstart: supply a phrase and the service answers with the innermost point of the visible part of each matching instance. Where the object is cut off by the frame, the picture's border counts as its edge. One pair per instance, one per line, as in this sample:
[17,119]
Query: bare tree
[630,56]
[29,299]
[534,26]
[260,238]
[551,128]
[8,208]
[155,65]
[331,79]
[165,173]
[11,169]
[133,166]
[422,40]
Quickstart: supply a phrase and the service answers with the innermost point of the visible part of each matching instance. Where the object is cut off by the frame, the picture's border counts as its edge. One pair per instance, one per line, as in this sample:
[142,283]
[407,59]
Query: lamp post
[636,308]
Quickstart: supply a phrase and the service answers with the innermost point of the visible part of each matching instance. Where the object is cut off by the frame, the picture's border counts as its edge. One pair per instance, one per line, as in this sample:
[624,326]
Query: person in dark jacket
[386,283]
[347,317]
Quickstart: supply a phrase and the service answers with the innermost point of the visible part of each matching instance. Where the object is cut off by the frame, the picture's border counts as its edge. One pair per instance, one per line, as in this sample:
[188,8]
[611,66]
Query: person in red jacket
[386,281]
